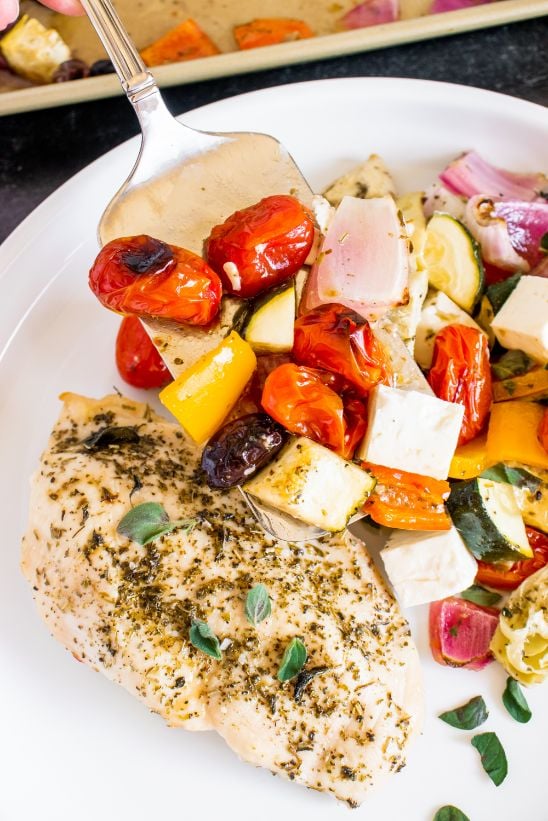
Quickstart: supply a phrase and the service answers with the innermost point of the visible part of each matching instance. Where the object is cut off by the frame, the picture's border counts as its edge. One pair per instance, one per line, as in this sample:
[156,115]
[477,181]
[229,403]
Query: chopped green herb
[257,604]
[510,387]
[454,631]
[149,521]
[479,595]
[499,292]
[493,757]
[204,639]
[467,717]
[543,244]
[515,702]
[512,363]
[450,813]
[293,660]
[111,435]
[513,476]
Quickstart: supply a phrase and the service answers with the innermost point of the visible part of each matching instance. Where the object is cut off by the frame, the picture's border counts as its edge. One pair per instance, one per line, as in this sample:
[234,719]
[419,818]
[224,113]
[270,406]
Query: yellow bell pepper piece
[512,434]
[532,386]
[202,396]
[470,460]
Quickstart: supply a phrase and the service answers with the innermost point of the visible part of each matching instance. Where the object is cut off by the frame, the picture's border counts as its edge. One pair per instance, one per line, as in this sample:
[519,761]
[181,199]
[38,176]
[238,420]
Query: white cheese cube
[409,430]
[437,313]
[312,484]
[522,322]
[425,566]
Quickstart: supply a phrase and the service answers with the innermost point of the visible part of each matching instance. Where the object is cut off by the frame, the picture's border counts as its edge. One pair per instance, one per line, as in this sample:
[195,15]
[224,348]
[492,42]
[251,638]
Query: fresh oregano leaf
[512,363]
[293,660]
[493,757]
[303,680]
[450,813]
[257,604]
[204,639]
[479,595]
[110,435]
[512,476]
[498,293]
[146,522]
[467,717]
[515,702]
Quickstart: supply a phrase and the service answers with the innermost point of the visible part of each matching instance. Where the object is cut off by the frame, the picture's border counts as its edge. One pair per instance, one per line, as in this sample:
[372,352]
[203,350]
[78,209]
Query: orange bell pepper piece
[270,31]
[406,500]
[186,41]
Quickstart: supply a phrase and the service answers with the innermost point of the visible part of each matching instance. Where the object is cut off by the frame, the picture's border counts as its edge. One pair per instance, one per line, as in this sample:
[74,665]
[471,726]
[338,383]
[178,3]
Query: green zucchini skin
[479,533]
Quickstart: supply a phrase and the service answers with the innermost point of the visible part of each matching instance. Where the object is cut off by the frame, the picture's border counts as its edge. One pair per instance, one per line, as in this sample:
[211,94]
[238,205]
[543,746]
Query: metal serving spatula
[184,182]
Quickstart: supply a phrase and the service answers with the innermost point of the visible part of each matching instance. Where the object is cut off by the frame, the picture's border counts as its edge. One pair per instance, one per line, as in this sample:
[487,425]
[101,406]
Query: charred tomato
[261,246]
[138,362]
[339,340]
[146,277]
[461,373]
[300,399]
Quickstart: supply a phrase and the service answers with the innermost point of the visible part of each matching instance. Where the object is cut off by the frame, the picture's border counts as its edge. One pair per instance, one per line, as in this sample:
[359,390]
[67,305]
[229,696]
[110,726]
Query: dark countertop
[42,149]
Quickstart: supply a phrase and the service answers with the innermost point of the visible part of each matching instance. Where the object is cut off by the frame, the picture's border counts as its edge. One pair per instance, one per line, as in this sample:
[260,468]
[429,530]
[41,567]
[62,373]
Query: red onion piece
[491,231]
[371,13]
[470,174]
[440,6]
[461,632]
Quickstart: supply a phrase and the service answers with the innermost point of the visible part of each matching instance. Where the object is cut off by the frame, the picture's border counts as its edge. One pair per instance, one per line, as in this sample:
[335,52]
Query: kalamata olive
[241,448]
[101,67]
[70,70]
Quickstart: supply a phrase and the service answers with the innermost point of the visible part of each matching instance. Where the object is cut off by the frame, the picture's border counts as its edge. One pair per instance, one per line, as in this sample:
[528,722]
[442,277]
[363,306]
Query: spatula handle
[134,76]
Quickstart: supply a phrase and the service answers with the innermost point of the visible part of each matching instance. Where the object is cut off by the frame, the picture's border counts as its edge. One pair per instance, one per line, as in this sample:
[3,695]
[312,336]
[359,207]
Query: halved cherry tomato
[509,576]
[298,398]
[262,245]
[137,360]
[146,277]
[461,373]
[338,339]
[543,430]
[407,500]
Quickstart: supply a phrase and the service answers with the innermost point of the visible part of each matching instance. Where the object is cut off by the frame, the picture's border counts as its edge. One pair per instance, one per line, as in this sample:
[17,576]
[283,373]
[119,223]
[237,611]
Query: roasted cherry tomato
[338,339]
[407,500]
[461,373]
[146,277]
[262,245]
[298,398]
[543,430]
[509,576]
[137,360]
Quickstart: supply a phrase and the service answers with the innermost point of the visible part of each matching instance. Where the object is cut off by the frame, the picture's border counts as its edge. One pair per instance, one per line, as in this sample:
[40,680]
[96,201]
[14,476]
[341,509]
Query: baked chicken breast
[126,610]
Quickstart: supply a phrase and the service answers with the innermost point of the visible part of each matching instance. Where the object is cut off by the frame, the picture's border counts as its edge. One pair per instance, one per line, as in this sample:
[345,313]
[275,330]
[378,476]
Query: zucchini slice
[488,518]
[270,327]
[313,484]
[453,261]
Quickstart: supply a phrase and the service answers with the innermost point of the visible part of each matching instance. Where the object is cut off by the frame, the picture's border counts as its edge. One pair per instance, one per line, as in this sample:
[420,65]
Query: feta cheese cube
[313,484]
[438,311]
[425,566]
[409,430]
[522,322]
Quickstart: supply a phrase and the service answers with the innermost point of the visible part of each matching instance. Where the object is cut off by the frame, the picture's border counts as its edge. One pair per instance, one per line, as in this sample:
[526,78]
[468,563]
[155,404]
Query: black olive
[70,70]
[101,67]
[240,449]
[146,255]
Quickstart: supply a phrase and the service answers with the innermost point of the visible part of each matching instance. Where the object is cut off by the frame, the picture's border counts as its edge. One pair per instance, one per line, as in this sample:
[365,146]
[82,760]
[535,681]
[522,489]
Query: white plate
[73,745]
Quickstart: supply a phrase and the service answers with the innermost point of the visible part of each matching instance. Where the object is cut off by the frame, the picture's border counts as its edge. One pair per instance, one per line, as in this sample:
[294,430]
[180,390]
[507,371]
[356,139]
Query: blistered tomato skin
[240,448]
[303,401]
[266,244]
[138,362]
[461,373]
[146,277]
[341,341]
